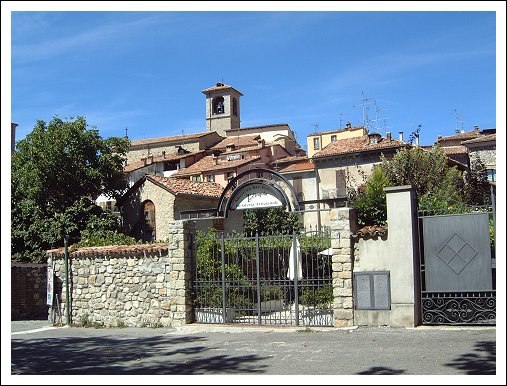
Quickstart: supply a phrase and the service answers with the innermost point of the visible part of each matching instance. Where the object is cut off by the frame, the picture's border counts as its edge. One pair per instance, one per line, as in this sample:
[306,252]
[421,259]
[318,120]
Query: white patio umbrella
[291,271]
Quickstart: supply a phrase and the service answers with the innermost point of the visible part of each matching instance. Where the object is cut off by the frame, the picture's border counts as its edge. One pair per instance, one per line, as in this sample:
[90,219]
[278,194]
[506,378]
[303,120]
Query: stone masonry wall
[342,220]
[139,285]
[28,291]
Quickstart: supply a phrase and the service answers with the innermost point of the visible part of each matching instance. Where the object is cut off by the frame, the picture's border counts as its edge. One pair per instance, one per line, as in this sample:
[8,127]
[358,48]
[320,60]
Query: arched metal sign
[257,188]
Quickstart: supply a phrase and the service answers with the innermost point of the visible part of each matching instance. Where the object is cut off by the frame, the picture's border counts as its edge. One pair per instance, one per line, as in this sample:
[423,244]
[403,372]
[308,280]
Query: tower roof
[219,87]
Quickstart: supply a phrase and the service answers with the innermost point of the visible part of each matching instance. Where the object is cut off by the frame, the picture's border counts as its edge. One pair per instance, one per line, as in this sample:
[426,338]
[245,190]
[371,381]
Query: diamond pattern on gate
[457,254]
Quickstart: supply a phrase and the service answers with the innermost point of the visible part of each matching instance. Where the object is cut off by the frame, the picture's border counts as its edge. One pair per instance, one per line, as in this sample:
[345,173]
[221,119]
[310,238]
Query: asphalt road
[205,349]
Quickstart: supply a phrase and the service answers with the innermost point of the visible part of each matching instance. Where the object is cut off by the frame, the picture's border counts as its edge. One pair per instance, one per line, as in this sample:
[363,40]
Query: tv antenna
[365,102]
[316,126]
[459,122]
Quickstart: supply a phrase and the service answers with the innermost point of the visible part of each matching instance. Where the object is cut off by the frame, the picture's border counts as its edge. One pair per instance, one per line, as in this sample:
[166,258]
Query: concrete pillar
[342,223]
[403,243]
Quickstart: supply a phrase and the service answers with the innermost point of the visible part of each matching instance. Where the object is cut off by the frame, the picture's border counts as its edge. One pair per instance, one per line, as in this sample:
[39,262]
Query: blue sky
[311,69]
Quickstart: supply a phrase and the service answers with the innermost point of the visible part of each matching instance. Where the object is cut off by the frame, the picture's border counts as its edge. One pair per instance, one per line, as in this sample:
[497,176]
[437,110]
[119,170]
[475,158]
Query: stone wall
[28,291]
[140,285]
[342,223]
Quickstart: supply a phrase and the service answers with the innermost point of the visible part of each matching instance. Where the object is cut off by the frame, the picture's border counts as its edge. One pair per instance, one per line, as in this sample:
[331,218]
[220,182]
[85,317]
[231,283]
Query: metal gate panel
[457,254]
[261,280]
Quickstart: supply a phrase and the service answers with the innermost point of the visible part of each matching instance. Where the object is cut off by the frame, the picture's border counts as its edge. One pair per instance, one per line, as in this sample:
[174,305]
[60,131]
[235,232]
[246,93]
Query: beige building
[158,147]
[347,163]
[318,141]
[153,202]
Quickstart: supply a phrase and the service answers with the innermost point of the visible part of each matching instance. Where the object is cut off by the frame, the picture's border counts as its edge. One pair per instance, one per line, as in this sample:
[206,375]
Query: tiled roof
[256,127]
[371,231]
[237,141]
[208,164]
[336,131]
[482,138]
[291,159]
[450,150]
[357,145]
[298,167]
[168,157]
[219,86]
[461,136]
[175,138]
[184,186]
[138,249]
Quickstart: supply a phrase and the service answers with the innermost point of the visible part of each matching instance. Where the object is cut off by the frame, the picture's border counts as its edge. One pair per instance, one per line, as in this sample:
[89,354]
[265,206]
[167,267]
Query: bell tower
[222,108]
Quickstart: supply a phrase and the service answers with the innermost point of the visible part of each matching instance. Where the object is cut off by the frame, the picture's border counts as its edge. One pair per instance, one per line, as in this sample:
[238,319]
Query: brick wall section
[28,291]
[342,220]
[141,285]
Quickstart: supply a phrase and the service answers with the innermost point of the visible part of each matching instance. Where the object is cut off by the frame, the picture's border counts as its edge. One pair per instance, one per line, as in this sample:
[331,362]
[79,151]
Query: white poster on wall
[49,300]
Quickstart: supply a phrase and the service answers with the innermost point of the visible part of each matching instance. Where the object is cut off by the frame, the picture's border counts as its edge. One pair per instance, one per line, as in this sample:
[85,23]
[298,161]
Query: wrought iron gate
[282,279]
[456,270]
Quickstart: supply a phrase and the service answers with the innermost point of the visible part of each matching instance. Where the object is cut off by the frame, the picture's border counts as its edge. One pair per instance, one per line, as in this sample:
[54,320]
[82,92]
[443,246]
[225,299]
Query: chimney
[477,128]
[163,153]
[417,140]
[401,136]
[388,136]
[215,160]
[144,159]
[457,131]
[348,125]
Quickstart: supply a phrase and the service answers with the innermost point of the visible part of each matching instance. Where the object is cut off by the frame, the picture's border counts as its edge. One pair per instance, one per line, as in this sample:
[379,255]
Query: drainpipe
[67,299]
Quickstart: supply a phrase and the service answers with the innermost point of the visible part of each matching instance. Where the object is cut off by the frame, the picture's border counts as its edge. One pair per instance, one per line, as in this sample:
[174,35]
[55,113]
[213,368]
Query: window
[491,174]
[372,290]
[148,229]
[316,144]
[230,176]
[333,138]
[195,178]
[297,183]
[218,105]
[210,178]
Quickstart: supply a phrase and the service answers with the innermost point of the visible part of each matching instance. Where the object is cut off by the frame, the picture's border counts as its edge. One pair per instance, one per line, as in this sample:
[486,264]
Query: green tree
[56,172]
[438,186]
[370,201]
[270,220]
[477,188]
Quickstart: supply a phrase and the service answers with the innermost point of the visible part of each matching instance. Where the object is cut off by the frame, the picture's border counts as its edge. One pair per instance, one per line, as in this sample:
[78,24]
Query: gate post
[342,222]
[179,277]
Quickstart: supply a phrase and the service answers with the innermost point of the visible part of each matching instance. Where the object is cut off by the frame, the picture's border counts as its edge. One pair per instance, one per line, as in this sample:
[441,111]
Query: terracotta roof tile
[175,138]
[184,186]
[462,136]
[450,150]
[298,167]
[237,141]
[371,231]
[220,86]
[482,138]
[357,145]
[239,129]
[137,249]
[208,164]
[168,157]
[291,159]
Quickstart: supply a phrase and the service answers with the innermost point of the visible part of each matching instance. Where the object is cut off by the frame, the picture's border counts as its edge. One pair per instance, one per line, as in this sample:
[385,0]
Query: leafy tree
[56,172]
[477,185]
[439,187]
[370,201]
[270,220]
